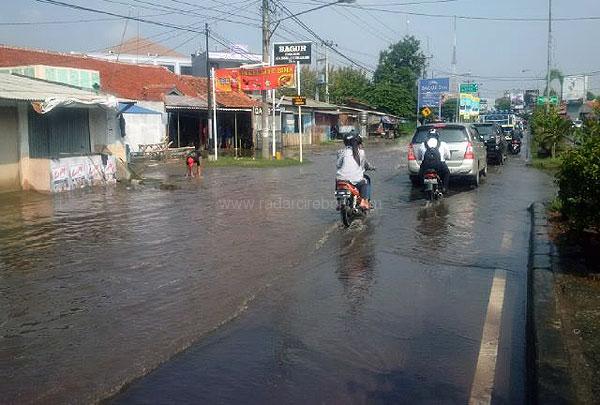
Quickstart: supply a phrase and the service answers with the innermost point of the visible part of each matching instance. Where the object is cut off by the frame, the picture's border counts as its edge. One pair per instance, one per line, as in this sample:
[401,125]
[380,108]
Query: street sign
[431,91]
[298,100]
[425,112]
[292,52]
[543,100]
[469,88]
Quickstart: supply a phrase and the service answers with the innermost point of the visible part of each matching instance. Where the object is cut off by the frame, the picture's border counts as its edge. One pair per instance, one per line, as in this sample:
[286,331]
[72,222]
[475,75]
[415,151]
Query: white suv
[467,147]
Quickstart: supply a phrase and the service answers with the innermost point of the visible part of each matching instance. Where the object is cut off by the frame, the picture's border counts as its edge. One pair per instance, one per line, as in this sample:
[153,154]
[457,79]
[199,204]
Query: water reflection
[356,265]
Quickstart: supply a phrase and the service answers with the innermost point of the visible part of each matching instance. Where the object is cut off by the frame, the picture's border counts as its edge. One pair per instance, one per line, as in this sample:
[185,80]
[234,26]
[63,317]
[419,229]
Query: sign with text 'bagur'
[292,52]
[431,90]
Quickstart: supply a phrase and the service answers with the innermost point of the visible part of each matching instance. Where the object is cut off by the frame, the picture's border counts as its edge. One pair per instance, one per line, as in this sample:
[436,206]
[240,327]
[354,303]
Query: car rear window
[446,134]
[486,131]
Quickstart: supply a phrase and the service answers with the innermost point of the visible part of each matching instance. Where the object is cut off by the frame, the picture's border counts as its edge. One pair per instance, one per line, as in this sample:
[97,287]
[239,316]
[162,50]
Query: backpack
[432,155]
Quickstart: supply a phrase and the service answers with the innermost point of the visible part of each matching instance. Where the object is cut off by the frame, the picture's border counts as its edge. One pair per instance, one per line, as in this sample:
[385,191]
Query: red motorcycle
[350,204]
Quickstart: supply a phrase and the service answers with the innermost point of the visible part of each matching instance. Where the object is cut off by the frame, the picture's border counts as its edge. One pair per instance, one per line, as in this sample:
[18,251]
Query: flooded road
[281,303]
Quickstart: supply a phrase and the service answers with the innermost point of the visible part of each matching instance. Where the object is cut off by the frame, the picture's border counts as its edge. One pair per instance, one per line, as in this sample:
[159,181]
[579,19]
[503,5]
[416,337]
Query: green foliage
[579,180]
[347,82]
[590,96]
[308,84]
[503,103]
[549,130]
[393,99]
[401,64]
[449,109]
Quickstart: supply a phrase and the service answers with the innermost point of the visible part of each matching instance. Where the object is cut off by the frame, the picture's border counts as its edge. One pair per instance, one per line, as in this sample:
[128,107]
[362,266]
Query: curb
[549,379]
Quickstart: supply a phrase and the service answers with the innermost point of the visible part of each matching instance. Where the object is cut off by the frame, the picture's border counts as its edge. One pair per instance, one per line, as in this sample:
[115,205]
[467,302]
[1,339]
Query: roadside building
[142,51]
[148,86]
[54,137]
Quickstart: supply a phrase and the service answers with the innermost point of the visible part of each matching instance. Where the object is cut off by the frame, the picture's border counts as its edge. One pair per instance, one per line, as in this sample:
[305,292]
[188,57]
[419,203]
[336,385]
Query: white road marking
[483,383]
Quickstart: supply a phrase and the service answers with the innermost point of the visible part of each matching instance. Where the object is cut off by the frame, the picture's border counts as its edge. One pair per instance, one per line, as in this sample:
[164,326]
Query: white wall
[143,129]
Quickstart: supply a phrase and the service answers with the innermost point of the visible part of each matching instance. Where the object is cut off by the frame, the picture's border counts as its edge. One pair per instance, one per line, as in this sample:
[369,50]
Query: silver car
[467,147]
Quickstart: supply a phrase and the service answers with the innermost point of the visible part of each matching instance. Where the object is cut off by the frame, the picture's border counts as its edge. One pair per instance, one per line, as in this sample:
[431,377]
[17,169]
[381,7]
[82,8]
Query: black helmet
[351,137]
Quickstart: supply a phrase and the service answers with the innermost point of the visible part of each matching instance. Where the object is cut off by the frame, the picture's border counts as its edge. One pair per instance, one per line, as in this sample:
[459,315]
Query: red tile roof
[233,99]
[137,82]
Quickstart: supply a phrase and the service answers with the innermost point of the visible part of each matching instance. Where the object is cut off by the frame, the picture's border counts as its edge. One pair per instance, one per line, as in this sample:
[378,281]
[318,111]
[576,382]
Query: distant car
[494,141]
[468,151]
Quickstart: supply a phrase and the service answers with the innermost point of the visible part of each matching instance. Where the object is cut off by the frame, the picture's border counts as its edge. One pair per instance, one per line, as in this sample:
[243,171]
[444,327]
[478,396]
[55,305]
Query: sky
[499,55]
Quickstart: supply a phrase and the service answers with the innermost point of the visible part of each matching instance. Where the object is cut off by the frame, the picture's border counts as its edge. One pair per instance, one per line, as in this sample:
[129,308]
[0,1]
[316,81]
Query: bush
[578,179]
[549,130]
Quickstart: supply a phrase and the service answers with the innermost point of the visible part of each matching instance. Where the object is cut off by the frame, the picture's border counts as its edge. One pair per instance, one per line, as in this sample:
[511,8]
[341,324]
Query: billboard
[261,78]
[574,88]
[517,99]
[469,105]
[431,91]
[292,52]
[531,98]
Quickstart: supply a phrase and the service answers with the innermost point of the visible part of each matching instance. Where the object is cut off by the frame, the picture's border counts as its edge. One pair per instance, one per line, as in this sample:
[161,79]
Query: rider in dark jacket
[434,157]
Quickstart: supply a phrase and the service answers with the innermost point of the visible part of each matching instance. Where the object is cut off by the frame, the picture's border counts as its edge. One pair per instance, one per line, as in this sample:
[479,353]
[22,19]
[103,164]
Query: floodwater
[274,301]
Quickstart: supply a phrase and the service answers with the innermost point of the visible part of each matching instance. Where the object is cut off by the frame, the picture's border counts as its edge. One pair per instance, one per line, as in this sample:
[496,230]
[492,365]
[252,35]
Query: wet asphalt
[272,299]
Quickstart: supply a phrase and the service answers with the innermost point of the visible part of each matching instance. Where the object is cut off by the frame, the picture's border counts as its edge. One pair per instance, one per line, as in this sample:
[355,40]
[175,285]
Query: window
[186,70]
[59,133]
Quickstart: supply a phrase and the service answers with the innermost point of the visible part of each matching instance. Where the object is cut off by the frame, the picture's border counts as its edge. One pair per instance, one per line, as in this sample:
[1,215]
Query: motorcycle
[349,201]
[515,146]
[432,183]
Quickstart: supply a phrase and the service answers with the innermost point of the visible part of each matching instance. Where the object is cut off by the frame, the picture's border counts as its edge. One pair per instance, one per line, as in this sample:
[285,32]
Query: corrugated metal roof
[24,89]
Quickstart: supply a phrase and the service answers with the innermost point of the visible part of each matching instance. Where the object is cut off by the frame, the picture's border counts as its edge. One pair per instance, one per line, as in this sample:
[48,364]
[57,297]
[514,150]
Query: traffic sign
[298,100]
[542,100]
[426,112]
[469,88]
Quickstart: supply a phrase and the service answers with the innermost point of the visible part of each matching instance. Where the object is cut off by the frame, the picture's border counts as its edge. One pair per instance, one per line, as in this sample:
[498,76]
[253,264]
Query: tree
[399,67]
[393,98]
[555,74]
[402,63]
[590,96]
[449,109]
[308,83]
[347,82]
[503,104]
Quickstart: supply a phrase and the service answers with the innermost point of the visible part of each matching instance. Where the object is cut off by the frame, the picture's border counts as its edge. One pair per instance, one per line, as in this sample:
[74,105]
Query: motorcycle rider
[351,165]
[434,153]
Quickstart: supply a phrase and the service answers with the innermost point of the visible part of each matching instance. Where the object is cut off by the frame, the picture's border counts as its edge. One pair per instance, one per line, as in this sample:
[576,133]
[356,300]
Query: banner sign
[292,52]
[431,91]
[261,78]
[298,100]
[469,105]
[574,88]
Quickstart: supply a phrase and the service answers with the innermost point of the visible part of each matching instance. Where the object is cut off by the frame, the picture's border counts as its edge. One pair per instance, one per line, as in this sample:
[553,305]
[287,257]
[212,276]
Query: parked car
[468,151]
[494,141]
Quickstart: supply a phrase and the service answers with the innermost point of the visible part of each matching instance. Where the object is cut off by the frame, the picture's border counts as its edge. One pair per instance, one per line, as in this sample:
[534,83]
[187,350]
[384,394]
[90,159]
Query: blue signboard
[431,90]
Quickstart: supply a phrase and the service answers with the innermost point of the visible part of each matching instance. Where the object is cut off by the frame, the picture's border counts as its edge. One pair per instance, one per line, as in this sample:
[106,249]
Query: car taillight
[469,153]
[411,153]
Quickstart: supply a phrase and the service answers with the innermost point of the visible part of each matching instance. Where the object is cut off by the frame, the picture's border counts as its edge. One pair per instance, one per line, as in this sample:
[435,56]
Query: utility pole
[208,92]
[265,101]
[549,55]
[326,75]
[457,118]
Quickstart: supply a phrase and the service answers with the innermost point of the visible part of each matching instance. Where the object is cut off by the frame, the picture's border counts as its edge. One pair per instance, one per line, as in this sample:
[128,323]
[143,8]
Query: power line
[481,18]
[320,39]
